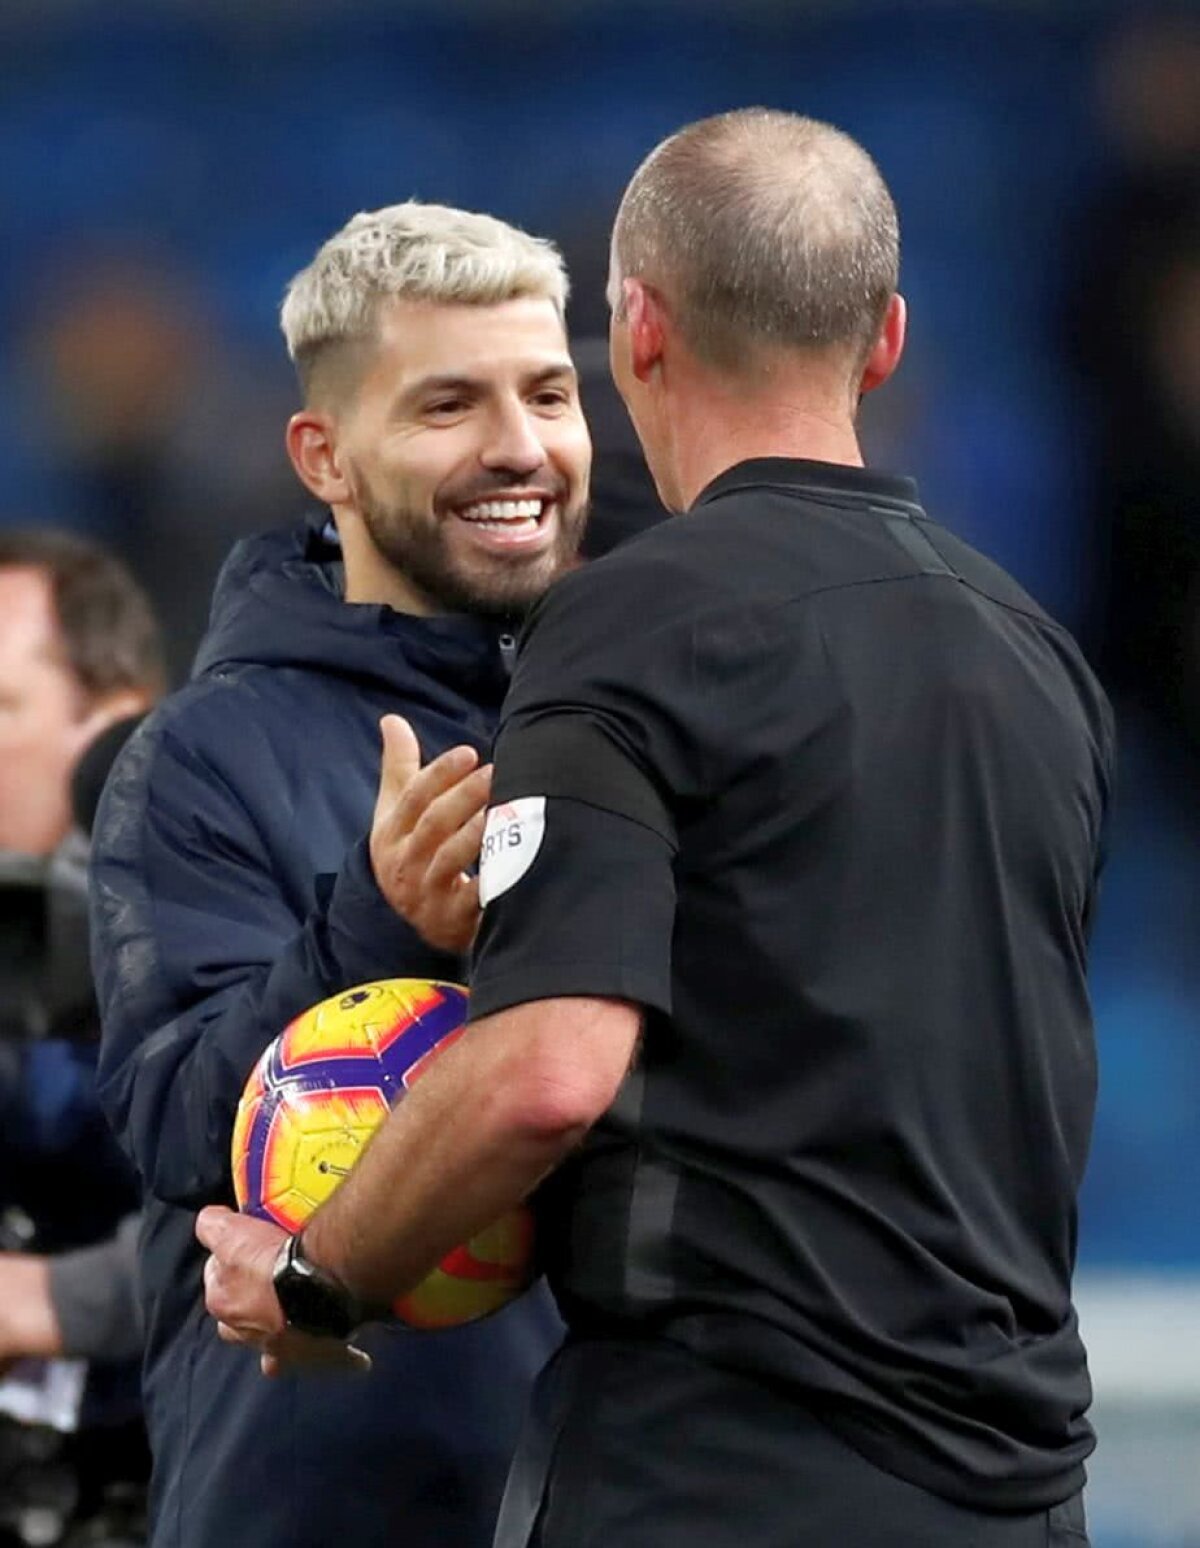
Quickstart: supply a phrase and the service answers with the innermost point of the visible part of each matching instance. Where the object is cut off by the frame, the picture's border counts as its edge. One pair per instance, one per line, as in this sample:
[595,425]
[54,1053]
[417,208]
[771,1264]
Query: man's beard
[490,584]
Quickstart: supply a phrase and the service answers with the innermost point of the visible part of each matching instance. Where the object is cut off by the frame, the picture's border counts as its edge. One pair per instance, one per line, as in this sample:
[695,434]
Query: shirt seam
[1042,620]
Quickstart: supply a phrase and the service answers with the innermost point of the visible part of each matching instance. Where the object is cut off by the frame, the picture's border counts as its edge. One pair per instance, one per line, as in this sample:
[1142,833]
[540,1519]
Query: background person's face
[43,723]
[467,453]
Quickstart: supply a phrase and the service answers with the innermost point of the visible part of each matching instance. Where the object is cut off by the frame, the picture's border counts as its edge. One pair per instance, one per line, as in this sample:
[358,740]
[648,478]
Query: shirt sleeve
[596,756]
[95,1296]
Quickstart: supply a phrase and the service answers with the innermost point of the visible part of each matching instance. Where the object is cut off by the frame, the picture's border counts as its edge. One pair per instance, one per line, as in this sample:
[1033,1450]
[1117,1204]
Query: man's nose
[514,443]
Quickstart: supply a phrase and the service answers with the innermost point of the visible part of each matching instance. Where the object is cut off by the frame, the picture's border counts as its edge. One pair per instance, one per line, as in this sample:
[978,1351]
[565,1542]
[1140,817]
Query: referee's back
[849,1158]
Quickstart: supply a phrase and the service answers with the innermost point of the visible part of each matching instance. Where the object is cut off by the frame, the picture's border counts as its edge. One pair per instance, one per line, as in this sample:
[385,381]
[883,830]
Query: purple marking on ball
[387,1073]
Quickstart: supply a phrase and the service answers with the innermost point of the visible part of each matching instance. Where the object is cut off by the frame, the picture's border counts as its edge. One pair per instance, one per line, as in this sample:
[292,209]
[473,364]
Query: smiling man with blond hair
[251,859]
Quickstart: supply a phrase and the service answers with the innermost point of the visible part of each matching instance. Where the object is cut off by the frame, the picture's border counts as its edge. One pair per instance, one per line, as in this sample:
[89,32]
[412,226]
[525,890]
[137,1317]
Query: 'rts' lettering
[502,839]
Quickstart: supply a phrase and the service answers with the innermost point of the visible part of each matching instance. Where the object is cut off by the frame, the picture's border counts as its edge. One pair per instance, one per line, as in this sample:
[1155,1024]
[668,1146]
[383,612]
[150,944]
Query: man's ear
[101,713]
[888,347]
[311,440]
[644,319]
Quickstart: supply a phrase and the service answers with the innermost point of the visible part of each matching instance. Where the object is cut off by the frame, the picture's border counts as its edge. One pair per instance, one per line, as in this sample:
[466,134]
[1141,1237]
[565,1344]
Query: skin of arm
[496,1112]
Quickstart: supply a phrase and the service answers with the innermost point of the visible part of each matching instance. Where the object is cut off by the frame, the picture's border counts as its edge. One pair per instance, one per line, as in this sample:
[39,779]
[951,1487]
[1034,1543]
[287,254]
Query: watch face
[311,1301]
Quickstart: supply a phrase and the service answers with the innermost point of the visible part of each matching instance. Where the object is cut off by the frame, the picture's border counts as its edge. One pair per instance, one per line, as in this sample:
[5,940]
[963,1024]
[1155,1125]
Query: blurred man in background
[786,884]
[80,654]
[251,860]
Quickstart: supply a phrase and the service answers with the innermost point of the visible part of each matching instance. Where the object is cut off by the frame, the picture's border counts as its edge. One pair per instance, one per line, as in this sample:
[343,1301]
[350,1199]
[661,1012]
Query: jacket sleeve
[200,958]
[95,1297]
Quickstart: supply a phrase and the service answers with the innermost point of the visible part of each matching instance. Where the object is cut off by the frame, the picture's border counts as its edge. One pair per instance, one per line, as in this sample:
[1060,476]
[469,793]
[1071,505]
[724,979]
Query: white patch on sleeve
[512,837]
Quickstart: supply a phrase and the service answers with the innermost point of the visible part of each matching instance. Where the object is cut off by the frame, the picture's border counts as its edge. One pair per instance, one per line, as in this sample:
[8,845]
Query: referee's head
[755,260]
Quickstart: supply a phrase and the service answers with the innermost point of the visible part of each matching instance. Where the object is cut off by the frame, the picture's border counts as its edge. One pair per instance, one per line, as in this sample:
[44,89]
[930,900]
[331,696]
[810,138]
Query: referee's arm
[494,1114]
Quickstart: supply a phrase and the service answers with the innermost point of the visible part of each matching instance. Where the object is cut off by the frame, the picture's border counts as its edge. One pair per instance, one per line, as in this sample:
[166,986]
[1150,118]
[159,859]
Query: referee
[787,880]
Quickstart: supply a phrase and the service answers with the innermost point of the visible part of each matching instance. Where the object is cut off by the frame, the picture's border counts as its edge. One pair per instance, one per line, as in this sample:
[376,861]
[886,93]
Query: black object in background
[45,971]
[45,974]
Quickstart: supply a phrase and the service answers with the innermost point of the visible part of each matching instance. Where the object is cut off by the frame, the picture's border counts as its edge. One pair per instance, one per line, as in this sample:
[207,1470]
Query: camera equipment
[45,976]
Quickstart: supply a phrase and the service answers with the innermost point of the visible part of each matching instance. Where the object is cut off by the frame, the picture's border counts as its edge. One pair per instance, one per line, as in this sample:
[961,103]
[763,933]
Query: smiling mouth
[512,525]
[506,515]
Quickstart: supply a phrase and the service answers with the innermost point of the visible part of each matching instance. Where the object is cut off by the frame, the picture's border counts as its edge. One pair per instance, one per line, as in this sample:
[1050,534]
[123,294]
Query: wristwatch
[313,1300]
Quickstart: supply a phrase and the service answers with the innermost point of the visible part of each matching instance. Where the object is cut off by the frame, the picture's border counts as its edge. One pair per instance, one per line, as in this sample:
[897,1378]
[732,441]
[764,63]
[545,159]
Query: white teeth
[503,510]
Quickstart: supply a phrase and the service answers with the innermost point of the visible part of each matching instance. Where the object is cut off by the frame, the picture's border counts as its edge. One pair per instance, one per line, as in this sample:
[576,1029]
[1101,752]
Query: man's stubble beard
[417,547]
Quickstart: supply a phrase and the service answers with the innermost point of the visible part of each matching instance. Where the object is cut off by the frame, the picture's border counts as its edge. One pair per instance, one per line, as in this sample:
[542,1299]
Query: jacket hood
[278,602]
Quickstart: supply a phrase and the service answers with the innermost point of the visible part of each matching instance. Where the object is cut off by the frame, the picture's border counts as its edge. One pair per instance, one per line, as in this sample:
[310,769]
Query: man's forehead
[25,590]
[423,338]
[27,610]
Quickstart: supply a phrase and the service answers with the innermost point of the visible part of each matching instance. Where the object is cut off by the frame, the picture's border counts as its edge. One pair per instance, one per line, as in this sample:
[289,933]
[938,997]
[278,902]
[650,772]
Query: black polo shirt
[823,790]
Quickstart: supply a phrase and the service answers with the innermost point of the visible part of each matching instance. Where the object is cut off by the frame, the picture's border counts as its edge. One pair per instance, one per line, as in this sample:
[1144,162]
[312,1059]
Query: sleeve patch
[512,837]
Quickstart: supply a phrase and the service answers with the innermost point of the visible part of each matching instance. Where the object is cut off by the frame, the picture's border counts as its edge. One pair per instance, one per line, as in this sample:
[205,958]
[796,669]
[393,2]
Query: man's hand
[239,1291]
[28,1321]
[427,829]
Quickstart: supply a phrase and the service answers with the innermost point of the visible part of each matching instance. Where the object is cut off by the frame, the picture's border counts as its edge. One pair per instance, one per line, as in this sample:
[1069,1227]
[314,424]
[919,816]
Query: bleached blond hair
[411,251]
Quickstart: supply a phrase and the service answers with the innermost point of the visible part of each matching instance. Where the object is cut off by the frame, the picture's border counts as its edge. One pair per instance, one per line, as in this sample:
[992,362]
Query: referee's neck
[711,439]
[777,404]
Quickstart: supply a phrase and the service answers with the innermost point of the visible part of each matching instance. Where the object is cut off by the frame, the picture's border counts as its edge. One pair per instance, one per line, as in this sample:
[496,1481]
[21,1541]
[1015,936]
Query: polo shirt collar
[808,477]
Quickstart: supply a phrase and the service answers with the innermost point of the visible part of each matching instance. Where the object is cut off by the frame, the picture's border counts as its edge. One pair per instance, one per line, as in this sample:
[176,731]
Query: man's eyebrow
[558,370]
[450,381]
[447,382]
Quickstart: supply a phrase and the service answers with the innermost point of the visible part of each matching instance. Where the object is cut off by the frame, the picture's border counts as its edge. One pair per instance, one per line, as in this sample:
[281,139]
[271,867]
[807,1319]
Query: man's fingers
[466,908]
[457,853]
[211,1224]
[239,1287]
[357,1361]
[397,813]
[401,759]
[297,1352]
[288,1350]
[446,815]
[444,774]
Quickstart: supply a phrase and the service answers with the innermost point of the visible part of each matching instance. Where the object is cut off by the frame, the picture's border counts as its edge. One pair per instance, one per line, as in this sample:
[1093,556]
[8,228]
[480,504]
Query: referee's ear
[888,347]
[644,318]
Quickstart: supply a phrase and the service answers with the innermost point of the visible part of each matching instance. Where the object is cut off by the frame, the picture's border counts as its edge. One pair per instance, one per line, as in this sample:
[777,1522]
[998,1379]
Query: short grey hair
[411,251]
[762,228]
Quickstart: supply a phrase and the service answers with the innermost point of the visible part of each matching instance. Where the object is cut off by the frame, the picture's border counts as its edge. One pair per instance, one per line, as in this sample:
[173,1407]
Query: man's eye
[447,406]
[551,397]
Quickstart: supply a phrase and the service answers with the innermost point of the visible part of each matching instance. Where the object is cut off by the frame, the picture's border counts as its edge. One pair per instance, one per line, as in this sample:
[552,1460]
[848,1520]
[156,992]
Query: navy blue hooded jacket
[231,890]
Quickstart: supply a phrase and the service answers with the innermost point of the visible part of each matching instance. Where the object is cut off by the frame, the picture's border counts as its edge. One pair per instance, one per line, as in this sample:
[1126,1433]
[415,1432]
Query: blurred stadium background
[166,166]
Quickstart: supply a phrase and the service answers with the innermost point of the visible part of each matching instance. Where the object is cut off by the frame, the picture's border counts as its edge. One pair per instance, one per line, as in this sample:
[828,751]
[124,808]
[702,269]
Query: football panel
[246,1119]
[477,1279]
[333,1029]
[313,1139]
[409,1045]
[443,1301]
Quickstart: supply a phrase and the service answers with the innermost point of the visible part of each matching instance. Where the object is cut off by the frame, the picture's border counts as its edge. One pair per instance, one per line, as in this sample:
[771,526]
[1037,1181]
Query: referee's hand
[239,1292]
[426,834]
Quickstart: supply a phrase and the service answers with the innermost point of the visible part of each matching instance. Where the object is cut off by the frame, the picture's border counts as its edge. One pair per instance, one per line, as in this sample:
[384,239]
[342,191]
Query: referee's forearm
[471,1139]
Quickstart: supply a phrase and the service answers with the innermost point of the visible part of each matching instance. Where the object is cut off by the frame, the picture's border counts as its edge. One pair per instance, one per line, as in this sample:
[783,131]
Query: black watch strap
[313,1300]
